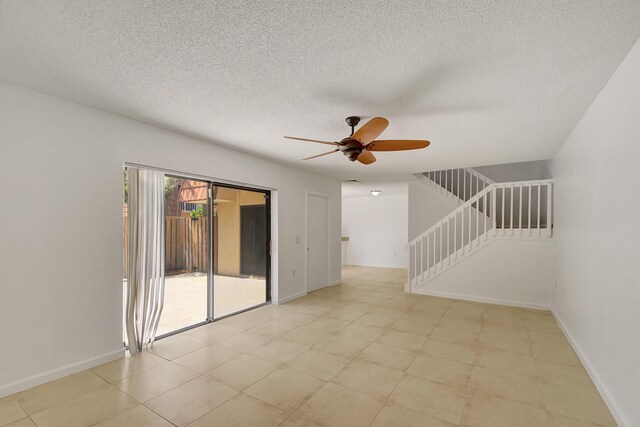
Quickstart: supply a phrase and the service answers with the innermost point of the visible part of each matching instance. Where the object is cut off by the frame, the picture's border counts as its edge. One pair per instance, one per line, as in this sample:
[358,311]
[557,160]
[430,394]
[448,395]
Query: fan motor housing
[351,148]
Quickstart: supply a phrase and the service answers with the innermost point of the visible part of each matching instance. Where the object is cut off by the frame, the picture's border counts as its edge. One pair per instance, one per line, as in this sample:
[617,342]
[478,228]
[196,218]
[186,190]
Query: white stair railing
[458,184]
[509,210]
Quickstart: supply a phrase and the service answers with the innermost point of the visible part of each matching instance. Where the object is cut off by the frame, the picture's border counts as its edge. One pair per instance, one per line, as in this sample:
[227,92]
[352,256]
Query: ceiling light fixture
[375,192]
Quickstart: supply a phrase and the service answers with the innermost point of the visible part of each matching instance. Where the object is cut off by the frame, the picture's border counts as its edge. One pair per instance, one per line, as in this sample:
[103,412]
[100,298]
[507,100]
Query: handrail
[455,212]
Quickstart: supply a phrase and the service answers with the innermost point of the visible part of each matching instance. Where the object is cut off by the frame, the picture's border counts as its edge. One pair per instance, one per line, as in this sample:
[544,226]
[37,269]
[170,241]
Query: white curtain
[145,279]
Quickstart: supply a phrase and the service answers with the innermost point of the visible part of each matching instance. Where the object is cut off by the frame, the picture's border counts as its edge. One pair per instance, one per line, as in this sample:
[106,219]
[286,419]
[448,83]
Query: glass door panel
[241,249]
[187,254]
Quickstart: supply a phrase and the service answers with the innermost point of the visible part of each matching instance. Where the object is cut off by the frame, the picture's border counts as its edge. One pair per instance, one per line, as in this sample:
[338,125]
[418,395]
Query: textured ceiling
[486,81]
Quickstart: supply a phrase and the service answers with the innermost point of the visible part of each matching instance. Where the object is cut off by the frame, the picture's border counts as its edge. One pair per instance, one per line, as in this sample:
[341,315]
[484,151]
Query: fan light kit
[375,192]
[360,144]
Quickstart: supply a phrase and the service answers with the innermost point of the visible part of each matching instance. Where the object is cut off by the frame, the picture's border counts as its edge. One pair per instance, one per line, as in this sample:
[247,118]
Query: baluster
[520,209]
[539,189]
[455,234]
[464,185]
[448,233]
[469,227]
[477,219]
[494,215]
[511,211]
[486,215]
[549,201]
[458,173]
[530,209]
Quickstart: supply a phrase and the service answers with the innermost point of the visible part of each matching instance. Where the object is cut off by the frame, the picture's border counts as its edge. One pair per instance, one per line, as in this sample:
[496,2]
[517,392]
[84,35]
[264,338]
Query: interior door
[317,242]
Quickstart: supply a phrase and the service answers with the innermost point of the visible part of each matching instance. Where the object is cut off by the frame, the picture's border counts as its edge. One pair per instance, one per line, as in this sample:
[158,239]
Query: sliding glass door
[216,251]
[241,256]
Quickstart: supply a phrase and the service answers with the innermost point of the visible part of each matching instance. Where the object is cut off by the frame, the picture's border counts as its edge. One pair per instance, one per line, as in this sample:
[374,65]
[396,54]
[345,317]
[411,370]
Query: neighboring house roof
[193,191]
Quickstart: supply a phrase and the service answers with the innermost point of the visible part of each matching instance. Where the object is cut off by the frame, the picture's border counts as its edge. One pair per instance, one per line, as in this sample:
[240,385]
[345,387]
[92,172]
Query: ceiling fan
[360,144]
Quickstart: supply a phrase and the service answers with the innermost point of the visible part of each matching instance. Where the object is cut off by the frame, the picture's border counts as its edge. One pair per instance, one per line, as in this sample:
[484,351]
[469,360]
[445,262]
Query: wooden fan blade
[370,130]
[312,140]
[366,158]
[398,144]
[323,154]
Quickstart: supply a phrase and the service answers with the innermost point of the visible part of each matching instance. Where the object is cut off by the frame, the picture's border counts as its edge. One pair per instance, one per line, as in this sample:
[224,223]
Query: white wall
[522,171]
[597,229]
[377,230]
[512,272]
[426,208]
[61,226]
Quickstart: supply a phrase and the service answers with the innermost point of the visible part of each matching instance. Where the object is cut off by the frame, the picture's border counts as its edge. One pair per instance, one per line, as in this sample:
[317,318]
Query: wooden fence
[185,244]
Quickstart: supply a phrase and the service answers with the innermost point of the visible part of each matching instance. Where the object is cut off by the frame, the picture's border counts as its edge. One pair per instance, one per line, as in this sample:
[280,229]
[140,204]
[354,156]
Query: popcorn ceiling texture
[486,81]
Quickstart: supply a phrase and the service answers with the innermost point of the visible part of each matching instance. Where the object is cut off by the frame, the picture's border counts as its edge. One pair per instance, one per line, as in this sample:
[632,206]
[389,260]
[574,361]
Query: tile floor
[360,354]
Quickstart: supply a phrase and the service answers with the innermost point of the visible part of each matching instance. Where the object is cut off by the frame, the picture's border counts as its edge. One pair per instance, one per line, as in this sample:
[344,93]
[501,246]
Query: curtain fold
[145,279]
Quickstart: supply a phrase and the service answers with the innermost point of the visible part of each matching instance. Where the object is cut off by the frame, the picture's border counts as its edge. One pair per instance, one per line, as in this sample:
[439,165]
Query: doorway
[317,241]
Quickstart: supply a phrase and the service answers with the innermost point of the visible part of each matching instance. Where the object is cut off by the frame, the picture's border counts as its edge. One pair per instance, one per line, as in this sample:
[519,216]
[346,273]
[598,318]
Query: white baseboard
[487,300]
[290,297]
[54,374]
[602,388]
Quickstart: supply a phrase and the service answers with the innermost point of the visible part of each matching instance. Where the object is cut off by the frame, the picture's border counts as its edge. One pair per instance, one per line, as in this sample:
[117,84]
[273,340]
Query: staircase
[487,211]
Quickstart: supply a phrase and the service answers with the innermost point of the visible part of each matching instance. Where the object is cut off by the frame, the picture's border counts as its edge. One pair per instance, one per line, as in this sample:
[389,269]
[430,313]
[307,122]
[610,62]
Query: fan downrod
[352,121]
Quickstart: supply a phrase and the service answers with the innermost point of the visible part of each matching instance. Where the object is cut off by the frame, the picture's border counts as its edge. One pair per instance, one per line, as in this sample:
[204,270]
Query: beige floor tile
[274,328]
[128,365]
[87,409]
[422,317]
[457,322]
[519,388]
[557,420]
[299,318]
[503,361]
[443,401]
[138,416]
[441,370]
[397,416]
[245,341]
[285,388]
[328,324]
[155,381]
[349,408]
[242,411]
[365,332]
[413,327]
[466,311]
[505,330]
[434,305]
[190,400]
[505,343]
[59,391]
[577,401]
[320,364]
[557,373]
[242,372]
[176,346]
[552,348]
[488,411]
[214,332]
[24,422]
[10,411]
[344,313]
[387,311]
[504,315]
[304,335]
[456,335]
[343,345]
[542,323]
[369,378]
[449,350]
[404,340]
[207,358]
[376,320]
[386,355]
[279,351]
